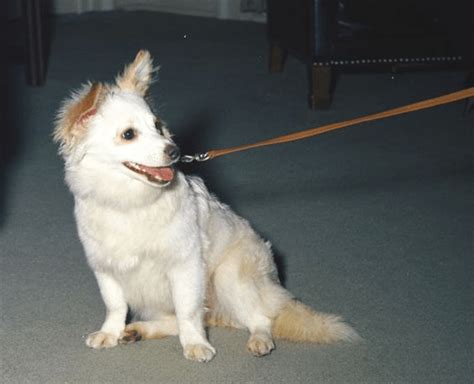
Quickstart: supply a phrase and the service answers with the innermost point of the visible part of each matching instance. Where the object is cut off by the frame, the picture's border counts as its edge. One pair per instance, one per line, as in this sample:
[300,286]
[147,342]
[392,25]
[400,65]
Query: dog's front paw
[199,352]
[98,340]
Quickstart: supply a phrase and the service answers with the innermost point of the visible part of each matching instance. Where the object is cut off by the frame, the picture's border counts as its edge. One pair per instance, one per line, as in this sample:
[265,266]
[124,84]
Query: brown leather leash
[445,99]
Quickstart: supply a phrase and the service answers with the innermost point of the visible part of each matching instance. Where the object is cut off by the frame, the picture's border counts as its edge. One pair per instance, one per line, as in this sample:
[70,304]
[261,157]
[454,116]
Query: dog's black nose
[172,151]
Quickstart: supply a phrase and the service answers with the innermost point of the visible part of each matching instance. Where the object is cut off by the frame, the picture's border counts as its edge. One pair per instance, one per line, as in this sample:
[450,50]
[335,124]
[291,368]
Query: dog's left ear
[138,75]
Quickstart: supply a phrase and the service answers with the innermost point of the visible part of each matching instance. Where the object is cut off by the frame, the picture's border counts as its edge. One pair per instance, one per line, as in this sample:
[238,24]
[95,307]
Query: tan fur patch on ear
[137,76]
[83,109]
[73,117]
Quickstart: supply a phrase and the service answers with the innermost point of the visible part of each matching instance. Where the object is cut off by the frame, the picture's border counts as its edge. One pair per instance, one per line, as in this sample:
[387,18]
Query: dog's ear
[75,113]
[137,76]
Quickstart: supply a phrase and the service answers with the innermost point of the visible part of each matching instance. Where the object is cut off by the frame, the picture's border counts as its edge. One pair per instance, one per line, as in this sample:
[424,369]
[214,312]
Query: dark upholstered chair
[330,35]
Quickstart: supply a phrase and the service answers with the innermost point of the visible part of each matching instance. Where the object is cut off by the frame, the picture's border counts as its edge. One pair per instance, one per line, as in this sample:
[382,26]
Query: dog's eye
[129,134]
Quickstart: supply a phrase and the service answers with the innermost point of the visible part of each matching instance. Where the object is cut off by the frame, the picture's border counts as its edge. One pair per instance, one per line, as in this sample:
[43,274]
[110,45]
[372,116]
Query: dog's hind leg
[156,329]
[249,296]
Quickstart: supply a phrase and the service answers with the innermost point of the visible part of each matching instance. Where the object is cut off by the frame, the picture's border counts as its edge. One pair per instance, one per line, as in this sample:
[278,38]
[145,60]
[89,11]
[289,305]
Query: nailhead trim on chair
[390,60]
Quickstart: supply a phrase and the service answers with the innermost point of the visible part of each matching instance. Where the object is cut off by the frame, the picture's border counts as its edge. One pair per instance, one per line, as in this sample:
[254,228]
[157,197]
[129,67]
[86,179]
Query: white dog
[159,244]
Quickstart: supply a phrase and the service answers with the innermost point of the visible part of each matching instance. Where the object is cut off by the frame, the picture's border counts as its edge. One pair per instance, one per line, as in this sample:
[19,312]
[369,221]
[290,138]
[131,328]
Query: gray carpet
[373,222]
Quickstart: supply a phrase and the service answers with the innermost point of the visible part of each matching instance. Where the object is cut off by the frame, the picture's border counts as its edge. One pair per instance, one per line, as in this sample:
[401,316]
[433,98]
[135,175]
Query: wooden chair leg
[277,58]
[320,80]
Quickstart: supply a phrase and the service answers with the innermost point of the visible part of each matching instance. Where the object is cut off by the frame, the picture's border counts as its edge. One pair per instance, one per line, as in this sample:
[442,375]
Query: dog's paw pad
[260,346]
[130,336]
[99,340]
[199,352]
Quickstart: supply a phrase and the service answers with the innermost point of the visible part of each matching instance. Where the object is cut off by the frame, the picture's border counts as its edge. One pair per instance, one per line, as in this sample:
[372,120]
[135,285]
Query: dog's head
[110,128]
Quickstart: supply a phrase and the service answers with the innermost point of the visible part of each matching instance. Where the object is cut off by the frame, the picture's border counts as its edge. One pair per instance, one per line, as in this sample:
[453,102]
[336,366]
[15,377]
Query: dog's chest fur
[120,240]
[139,246]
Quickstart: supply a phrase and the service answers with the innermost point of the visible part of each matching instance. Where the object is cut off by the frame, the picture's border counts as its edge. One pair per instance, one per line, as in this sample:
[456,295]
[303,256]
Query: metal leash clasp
[199,157]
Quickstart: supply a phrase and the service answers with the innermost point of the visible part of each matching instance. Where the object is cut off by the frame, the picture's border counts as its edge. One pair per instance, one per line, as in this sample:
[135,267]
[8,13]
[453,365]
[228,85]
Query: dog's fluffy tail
[298,322]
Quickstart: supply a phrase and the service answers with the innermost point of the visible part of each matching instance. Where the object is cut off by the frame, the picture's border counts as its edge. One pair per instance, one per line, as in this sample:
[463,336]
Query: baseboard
[222,9]
[80,6]
[187,7]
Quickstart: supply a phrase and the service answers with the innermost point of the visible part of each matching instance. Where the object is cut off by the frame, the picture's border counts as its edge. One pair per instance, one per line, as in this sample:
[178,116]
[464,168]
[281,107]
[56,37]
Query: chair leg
[35,53]
[277,58]
[320,80]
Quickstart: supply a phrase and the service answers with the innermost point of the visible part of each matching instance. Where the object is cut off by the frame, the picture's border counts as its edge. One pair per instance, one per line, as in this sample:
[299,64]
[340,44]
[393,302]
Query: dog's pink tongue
[164,173]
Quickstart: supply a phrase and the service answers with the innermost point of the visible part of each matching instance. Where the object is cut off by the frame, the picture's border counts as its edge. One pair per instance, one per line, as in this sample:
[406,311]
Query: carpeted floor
[373,222]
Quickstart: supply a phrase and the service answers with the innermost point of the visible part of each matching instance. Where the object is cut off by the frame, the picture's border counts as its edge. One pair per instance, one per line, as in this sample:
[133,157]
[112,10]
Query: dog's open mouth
[160,175]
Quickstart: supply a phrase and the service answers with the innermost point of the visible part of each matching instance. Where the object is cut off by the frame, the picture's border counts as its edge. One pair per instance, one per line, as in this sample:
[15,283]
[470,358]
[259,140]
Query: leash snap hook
[199,157]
